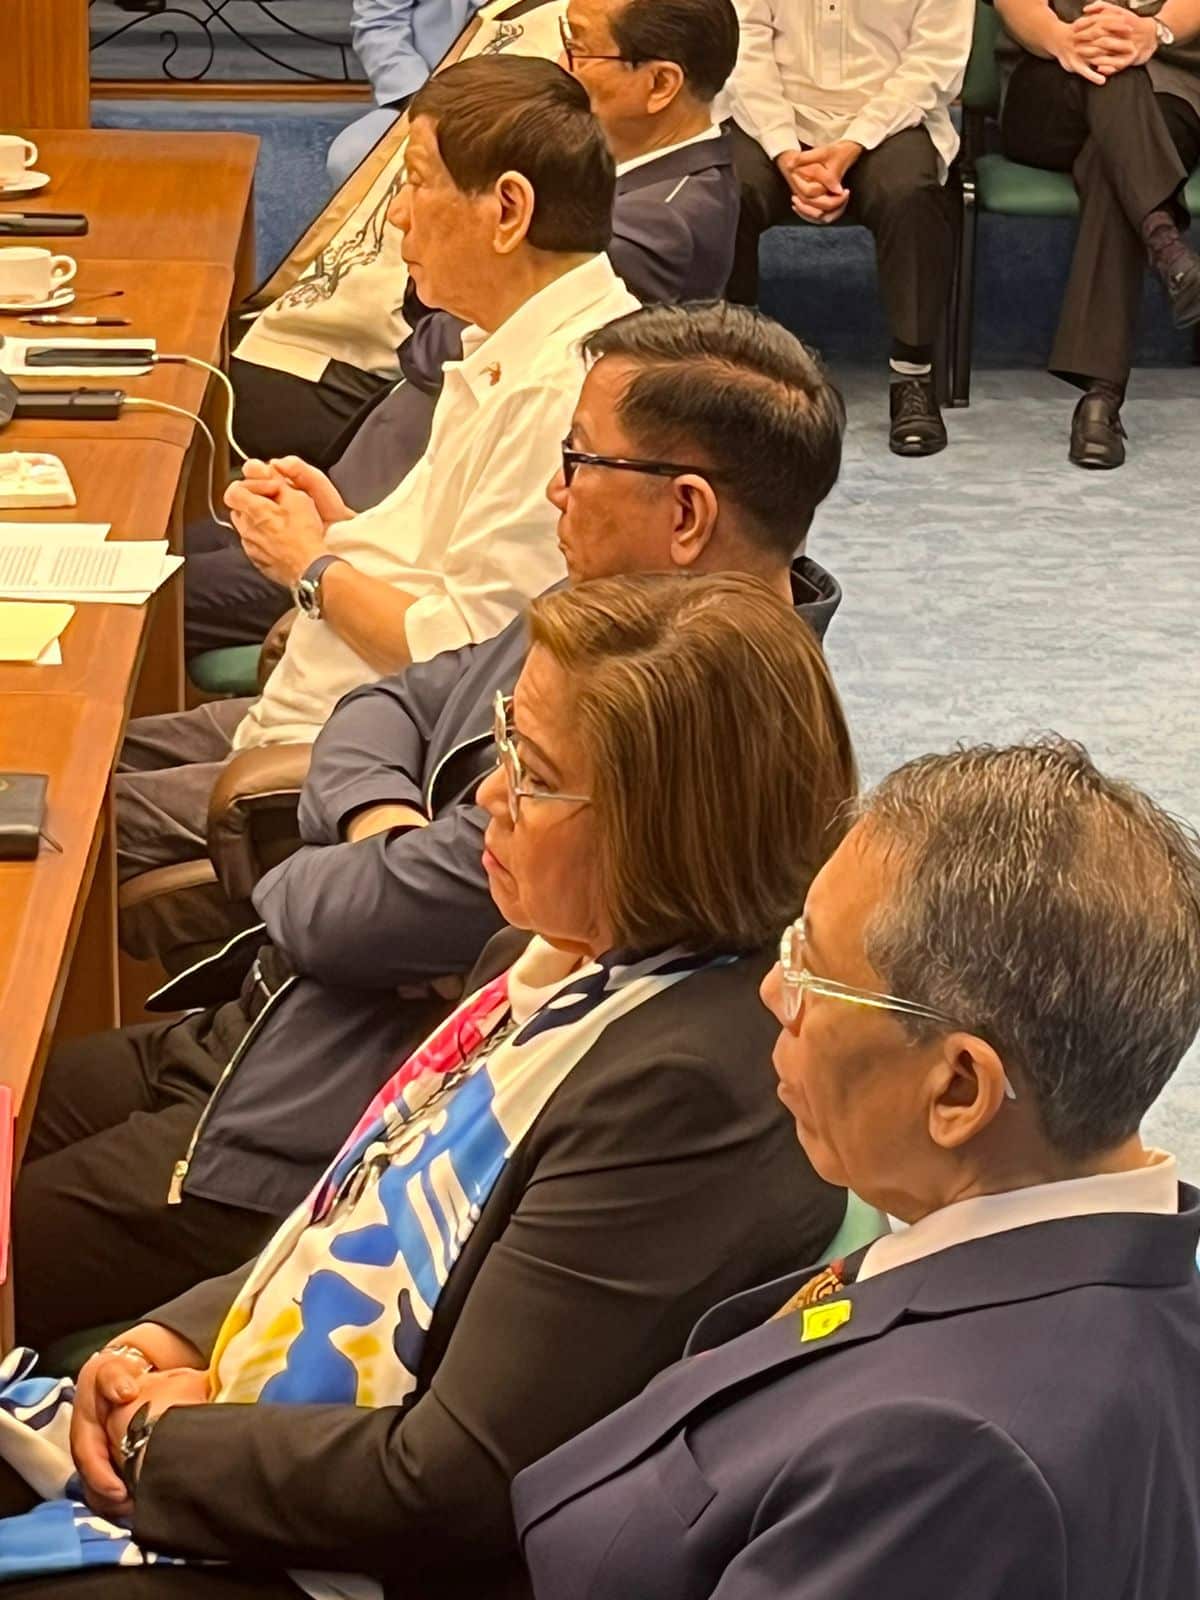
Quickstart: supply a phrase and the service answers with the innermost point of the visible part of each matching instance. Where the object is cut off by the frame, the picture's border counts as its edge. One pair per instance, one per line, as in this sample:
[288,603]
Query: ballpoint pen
[76,322]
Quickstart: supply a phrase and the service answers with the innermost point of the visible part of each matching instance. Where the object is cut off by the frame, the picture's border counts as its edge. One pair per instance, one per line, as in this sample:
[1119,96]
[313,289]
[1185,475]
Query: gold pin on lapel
[493,373]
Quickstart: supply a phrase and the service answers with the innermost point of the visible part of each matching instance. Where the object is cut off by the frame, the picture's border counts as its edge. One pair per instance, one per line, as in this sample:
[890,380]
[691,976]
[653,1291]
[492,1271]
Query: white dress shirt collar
[1152,1188]
[711,132]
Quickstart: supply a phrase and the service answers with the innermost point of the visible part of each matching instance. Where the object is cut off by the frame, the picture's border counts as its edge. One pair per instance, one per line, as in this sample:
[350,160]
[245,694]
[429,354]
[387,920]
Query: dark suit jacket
[674,221]
[350,923]
[1015,1418]
[661,1176]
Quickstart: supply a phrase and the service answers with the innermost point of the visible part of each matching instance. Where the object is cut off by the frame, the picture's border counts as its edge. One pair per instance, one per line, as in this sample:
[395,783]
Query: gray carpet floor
[995,590]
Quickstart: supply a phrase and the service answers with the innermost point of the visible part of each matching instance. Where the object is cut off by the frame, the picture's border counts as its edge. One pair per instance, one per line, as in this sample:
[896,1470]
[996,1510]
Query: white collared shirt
[1152,1188]
[814,71]
[469,532]
[634,162]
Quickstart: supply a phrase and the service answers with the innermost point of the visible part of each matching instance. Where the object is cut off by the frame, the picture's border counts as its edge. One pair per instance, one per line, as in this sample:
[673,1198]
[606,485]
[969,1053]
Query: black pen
[76,322]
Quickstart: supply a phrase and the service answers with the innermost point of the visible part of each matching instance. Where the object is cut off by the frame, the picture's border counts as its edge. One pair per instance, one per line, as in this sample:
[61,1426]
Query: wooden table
[184,309]
[178,265]
[153,197]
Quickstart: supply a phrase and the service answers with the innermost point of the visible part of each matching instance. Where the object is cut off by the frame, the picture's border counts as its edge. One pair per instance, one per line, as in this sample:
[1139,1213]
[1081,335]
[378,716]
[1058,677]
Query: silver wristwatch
[1165,36]
[307,593]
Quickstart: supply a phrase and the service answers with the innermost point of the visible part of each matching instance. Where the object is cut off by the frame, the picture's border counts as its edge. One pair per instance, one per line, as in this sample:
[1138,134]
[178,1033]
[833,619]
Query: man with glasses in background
[235,1110]
[506,211]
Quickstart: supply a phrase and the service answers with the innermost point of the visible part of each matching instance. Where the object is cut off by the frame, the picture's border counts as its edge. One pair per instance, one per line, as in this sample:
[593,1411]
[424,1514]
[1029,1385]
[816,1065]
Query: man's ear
[694,521]
[514,200]
[968,1084]
[666,81]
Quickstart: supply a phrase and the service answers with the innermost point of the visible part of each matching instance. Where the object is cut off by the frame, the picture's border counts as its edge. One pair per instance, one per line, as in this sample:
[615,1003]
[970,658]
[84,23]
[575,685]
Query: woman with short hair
[540,1201]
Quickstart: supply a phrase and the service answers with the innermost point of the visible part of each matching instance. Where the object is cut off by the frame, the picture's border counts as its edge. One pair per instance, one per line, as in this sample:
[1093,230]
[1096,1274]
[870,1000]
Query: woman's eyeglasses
[799,981]
[572,460]
[510,762]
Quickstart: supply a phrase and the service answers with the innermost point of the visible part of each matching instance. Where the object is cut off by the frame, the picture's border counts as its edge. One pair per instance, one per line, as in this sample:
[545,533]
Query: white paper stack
[71,562]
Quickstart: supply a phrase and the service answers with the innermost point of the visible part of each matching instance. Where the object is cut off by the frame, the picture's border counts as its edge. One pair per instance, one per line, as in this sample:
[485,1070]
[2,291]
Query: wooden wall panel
[44,65]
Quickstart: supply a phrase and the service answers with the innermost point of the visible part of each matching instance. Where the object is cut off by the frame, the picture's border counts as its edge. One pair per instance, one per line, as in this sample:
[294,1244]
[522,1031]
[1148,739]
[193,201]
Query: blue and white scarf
[338,1305]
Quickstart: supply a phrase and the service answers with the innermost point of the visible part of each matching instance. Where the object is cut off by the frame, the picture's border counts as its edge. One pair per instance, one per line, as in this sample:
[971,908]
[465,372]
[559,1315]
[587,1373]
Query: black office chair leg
[964,331]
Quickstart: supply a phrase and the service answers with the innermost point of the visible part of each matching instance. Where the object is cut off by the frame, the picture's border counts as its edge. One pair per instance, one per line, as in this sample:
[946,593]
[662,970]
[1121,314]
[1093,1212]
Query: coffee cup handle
[31,152]
[62,269]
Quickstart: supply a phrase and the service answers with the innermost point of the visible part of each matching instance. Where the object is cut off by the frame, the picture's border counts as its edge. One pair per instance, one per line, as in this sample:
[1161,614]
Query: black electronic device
[41,224]
[86,354]
[60,405]
[22,813]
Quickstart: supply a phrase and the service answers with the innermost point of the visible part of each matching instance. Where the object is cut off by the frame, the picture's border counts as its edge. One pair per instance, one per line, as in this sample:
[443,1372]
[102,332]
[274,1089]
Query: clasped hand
[815,179]
[1105,40]
[110,1390]
[281,510]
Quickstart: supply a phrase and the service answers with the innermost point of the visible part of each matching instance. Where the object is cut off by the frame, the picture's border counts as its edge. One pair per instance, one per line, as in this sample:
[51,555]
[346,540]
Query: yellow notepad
[27,628]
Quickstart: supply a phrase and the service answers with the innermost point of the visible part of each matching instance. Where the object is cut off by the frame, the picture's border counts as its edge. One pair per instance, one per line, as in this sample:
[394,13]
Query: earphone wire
[180,411]
[230,398]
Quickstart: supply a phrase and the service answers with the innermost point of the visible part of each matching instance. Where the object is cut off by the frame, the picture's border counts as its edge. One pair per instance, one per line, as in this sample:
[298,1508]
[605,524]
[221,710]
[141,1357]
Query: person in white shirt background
[506,212]
[843,110]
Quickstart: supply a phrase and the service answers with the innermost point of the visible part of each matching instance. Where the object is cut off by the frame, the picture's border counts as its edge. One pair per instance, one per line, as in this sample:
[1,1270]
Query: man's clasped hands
[281,510]
[1104,40]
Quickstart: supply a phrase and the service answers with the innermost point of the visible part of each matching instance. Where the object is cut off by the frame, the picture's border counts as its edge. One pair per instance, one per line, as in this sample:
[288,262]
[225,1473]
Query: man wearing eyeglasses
[506,211]
[652,70]
[234,1111]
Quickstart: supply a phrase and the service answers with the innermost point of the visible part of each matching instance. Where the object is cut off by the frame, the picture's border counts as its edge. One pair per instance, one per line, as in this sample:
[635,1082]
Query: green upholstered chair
[861,1224]
[230,672]
[991,182]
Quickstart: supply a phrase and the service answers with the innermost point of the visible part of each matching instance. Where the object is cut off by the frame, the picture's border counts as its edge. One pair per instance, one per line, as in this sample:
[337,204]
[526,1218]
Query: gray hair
[1053,910]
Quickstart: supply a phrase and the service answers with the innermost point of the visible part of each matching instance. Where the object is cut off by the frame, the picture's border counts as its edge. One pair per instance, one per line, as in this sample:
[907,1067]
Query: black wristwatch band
[133,1445]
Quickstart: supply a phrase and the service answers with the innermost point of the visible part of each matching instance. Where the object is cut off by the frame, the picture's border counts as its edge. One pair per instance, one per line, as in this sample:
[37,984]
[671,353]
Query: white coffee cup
[27,273]
[15,155]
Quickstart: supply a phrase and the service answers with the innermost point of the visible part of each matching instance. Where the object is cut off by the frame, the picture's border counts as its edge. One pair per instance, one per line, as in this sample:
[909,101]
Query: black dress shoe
[1097,437]
[1183,292]
[917,427]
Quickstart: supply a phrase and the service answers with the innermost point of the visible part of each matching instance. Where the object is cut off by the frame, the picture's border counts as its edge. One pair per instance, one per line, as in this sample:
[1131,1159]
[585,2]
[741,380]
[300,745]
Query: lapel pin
[493,373]
[818,1322]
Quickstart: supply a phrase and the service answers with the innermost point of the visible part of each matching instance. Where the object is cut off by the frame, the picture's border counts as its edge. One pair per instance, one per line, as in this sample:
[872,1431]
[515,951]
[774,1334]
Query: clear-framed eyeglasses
[799,981]
[510,763]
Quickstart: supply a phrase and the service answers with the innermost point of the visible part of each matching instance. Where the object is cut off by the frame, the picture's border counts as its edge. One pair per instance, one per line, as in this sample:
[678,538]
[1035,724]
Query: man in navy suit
[995,975]
[652,69]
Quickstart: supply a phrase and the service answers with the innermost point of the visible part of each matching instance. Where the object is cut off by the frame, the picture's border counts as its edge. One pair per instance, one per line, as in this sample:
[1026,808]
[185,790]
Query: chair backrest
[981,86]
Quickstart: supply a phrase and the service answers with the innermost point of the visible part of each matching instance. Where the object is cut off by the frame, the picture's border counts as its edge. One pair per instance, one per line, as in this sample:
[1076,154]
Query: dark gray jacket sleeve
[373,748]
[197,1313]
[400,907]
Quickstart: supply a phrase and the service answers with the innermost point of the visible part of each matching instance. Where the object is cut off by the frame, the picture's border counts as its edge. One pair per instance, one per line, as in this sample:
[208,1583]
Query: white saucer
[61,297]
[27,183]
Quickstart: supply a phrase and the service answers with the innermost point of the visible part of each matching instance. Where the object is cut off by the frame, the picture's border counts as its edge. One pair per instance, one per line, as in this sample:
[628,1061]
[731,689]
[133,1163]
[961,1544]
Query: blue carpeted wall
[821,284]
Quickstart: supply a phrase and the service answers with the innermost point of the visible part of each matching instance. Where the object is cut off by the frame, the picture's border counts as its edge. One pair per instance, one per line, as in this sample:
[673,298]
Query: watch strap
[133,1444]
[315,570]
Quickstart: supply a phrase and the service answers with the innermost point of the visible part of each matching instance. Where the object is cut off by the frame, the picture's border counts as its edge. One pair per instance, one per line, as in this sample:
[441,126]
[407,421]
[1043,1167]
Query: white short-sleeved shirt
[469,532]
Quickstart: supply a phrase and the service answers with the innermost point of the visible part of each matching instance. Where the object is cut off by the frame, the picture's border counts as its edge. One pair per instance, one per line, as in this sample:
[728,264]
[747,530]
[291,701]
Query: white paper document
[70,561]
[76,532]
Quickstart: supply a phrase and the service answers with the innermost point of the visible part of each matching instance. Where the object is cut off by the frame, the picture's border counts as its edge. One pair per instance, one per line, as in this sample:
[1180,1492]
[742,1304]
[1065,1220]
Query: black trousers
[94,1240]
[280,415]
[1129,151]
[895,192]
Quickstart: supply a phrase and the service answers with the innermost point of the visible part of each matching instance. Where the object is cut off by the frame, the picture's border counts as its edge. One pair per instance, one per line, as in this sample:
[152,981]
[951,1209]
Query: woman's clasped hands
[149,1365]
